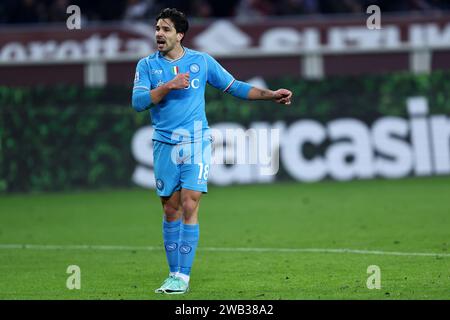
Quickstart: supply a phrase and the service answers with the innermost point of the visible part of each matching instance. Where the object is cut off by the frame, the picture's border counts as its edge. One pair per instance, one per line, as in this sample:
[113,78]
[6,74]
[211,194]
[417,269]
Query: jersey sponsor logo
[171,246]
[159,184]
[185,249]
[194,68]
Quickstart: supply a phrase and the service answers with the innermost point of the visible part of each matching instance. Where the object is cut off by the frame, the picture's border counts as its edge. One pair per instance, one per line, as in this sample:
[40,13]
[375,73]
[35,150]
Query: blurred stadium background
[364,152]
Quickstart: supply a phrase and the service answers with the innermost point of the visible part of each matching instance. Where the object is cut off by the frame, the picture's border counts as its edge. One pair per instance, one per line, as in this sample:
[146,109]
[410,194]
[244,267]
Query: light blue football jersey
[180,116]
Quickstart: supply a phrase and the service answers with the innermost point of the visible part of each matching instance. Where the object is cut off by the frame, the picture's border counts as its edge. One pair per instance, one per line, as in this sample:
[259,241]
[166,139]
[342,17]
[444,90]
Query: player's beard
[166,47]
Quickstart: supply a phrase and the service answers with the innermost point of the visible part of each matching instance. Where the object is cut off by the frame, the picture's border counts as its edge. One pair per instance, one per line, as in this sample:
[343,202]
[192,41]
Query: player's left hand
[282,96]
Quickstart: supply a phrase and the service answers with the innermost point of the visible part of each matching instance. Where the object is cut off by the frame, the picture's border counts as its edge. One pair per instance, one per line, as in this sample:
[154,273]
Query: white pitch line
[275,250]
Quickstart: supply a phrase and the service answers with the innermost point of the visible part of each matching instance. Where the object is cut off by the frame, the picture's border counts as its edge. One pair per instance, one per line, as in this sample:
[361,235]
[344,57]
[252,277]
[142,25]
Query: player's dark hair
[177,17]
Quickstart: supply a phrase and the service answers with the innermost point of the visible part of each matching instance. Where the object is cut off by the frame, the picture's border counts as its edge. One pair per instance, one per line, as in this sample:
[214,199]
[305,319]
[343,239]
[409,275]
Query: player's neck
[175,53]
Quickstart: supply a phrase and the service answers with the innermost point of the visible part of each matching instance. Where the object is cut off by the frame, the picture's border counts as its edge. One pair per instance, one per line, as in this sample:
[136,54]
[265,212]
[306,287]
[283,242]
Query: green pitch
[398,219]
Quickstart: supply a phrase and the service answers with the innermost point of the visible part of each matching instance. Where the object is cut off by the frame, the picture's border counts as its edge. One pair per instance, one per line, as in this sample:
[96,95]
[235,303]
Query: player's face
[166,35]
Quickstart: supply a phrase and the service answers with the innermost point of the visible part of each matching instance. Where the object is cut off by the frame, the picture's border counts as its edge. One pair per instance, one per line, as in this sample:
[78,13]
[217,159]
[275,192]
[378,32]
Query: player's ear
[180,36]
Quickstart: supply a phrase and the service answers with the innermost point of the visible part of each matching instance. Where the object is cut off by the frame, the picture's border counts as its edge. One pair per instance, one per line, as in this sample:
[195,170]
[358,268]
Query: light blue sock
[171,236]
[188,244]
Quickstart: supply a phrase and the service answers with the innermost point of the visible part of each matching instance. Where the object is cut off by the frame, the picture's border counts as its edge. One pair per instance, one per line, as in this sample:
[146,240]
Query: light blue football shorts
[184,165]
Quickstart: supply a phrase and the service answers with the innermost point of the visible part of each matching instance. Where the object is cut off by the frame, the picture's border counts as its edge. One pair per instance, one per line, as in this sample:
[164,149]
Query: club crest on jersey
[175,70]
[194,68]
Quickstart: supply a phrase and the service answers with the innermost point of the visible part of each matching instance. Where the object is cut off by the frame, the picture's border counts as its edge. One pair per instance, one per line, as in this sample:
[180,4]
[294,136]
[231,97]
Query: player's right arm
[179,82]
[143,97]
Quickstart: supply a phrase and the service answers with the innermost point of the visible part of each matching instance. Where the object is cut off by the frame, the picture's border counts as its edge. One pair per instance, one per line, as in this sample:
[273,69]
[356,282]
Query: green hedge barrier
[67,137]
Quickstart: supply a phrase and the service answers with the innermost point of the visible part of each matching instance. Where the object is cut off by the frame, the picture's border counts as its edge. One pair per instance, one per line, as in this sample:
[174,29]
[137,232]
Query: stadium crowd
[34,11]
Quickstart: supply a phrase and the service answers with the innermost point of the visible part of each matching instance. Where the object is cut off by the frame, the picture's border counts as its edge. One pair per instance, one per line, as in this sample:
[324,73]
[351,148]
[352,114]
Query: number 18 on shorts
[181,166]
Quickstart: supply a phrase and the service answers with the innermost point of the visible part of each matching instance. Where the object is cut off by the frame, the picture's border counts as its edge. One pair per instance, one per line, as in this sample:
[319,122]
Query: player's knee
[189,206]
[171,213]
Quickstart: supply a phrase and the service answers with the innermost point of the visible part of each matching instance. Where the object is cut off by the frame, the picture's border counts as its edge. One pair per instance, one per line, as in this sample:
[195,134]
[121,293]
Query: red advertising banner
[272,48]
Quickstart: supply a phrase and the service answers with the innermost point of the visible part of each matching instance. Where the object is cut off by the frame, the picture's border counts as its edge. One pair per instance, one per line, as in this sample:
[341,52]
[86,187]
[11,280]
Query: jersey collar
[171,61]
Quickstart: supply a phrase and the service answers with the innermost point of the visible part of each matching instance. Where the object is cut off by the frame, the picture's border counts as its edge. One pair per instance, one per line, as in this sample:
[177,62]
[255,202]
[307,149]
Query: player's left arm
[221,79]
[282,96]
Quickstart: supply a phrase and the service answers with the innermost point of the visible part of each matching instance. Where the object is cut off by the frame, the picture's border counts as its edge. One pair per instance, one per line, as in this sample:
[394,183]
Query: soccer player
[171,83]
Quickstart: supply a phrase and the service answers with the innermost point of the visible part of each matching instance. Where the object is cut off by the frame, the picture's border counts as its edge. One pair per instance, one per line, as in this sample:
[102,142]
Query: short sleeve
[218,77]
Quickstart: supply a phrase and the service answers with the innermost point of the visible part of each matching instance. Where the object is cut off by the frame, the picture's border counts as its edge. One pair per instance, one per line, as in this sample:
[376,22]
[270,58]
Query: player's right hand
[180,81]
